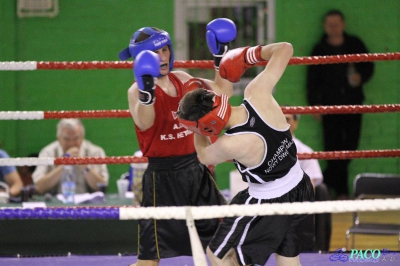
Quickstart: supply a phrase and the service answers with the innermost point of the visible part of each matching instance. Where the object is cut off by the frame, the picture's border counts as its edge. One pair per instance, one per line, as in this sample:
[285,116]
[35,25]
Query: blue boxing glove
[219,33]
[146,67]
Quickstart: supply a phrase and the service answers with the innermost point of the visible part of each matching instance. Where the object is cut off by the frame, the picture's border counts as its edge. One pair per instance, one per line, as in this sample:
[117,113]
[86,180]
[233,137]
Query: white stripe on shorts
[239,247]
[223,244]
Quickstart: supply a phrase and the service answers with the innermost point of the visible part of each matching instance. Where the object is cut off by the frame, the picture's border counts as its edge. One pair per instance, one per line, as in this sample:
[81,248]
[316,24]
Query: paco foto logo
[359,255]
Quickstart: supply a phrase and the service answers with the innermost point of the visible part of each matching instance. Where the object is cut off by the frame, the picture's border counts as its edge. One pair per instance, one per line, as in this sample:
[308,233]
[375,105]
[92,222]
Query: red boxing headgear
[212,123]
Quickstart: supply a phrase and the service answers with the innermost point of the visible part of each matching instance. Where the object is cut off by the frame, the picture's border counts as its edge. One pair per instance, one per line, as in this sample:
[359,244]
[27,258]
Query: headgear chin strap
[212,123]
[157,40]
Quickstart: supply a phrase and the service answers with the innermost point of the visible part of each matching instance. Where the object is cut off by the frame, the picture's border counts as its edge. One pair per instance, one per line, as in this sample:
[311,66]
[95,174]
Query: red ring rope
[86,114]
[335,155]
[209,64]
[336,109]
[324,155]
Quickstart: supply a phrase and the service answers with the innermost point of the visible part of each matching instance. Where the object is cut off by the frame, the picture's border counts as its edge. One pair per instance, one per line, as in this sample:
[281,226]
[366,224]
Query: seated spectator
[323,225]
[70,142]
[10,176]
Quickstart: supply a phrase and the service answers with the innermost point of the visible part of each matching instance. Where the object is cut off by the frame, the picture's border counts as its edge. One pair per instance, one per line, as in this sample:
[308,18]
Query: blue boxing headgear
[157,39]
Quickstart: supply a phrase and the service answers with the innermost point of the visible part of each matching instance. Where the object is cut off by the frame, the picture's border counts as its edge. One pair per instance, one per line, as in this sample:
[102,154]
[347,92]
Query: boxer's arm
[222,150]
[221,85]
[143,115]
[209,153]
[278,56]
[141,95]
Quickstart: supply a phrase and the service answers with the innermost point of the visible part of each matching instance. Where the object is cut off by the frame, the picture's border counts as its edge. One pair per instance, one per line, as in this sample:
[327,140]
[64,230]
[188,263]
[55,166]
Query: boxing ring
[126,213]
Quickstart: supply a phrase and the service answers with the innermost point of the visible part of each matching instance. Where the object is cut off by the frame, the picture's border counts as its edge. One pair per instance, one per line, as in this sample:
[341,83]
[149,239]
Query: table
[60,237]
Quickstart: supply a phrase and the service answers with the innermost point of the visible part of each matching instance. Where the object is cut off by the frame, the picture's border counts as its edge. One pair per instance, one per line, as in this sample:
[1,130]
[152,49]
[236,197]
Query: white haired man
[70,142]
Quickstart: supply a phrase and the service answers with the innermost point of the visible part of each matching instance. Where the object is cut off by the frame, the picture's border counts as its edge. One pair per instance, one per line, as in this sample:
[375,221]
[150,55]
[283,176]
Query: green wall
[98,30]
[377,23]
[82,31]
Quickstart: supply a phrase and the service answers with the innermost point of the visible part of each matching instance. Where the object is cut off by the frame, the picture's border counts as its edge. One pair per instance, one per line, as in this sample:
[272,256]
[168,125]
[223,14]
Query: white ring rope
[26,161]
[28,65]
[22,115]
[234,210]
[209,212]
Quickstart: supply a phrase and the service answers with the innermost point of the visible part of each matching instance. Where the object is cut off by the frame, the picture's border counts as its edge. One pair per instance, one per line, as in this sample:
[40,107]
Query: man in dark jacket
[338,84]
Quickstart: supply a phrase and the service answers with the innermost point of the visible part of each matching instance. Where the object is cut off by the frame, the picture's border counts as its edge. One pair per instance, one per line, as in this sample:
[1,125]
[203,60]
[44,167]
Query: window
[254,20]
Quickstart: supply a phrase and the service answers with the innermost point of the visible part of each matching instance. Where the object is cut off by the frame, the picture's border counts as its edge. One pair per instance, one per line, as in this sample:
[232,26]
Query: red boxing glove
[235,62]
[194,83]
